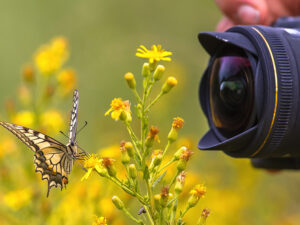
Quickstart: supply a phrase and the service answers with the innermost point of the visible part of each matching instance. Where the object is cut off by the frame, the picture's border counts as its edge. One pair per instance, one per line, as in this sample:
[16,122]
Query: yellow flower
[119,109]
[52,121]
[93,162]
[100,221]
[18,198]
[154,55]
[24,118]
[50,57]
[199,191]
[177,123]
[67,81]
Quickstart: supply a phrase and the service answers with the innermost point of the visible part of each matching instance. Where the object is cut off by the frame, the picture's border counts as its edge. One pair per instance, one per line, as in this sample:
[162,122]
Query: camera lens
[231,93]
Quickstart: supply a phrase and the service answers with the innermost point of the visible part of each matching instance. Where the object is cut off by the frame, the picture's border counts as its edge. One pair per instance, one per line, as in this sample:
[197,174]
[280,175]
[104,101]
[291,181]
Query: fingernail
[248,15]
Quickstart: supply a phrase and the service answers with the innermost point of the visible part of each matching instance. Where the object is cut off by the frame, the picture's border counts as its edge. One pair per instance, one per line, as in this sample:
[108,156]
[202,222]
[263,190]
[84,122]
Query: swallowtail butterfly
[52,159]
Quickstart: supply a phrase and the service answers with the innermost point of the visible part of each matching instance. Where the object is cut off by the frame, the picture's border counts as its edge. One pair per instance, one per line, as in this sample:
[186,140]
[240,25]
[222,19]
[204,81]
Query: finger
[224,24]
[244,11]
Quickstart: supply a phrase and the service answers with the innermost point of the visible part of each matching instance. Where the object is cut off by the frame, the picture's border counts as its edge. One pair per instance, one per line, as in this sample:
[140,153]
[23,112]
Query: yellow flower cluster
[50,57]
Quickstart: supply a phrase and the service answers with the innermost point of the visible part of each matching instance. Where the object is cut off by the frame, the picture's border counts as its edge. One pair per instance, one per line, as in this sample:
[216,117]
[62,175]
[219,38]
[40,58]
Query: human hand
[247,12]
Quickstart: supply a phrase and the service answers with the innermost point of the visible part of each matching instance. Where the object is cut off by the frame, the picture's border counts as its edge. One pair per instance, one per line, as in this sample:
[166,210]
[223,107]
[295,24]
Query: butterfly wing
[52,159]
[73,120]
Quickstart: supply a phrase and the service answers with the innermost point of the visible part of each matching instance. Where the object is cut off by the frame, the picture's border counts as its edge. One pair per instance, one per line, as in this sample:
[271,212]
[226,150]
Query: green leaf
[174,210]
[158,179]
[146,173]
[137,158]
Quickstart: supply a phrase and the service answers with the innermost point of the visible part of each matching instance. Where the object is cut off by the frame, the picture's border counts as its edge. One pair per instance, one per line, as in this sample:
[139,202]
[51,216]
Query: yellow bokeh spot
[7,145]
[67,81]
[18,198]
[24,118]
[50,57]
[52,121]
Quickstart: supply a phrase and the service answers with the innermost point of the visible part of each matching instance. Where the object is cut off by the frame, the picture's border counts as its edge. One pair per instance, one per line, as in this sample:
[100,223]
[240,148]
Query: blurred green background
[103,37]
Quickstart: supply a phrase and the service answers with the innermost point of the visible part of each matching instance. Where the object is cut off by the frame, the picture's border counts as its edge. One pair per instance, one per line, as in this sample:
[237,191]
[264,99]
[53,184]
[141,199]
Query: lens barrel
[250,91]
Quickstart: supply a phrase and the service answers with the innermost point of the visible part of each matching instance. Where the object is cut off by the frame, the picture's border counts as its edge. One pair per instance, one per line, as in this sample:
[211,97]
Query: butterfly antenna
[83,151]
[66,136]
[85,124]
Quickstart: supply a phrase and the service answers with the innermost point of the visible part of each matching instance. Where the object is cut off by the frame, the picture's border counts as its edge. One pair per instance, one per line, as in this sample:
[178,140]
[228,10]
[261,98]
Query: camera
[250,93]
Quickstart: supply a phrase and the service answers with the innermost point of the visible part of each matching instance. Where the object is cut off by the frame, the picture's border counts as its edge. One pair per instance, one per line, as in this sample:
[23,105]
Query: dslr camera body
[250,93]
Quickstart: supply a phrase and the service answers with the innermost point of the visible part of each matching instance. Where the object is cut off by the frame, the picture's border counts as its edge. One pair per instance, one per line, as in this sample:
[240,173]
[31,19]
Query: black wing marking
[52,159]
[73,120]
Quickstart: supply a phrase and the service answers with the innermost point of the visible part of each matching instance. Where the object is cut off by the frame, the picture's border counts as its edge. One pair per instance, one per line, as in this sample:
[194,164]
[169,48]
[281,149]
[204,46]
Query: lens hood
[275,65]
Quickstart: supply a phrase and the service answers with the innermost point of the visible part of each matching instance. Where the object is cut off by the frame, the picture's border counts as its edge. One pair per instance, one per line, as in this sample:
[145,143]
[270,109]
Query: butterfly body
[52,159]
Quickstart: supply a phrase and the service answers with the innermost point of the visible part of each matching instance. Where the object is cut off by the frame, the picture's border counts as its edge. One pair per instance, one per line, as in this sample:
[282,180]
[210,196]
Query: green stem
[128,190]
[164,153]
[132,217]
[154,101]
[134,140]
[161,216]
[166,148]
[184,212]
[166,165]
[149,214]
[174,179]
[173,211]
[138,98]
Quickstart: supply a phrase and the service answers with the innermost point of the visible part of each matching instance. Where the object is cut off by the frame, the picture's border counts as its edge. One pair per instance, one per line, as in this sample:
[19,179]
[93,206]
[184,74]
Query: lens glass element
[231,94]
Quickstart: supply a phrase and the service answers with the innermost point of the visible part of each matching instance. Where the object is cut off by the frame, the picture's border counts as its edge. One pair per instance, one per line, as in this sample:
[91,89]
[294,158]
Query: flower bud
[129,77]
[124,154]
[118,202]
[146,70]
[202,220]
[156,159]
[173,134]
[157,202]
[132,171]
[28,73]
[129,148]
[181,165]
[198,192]
[183,159]
[152,135]
[125,157]
[109,165]
[180,183]
[164,196]
[178,152]
[158,73]
[102,171]
[125,116]
[169,84]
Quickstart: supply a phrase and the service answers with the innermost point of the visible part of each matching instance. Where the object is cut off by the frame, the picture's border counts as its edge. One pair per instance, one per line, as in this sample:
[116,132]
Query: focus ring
[285,89]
